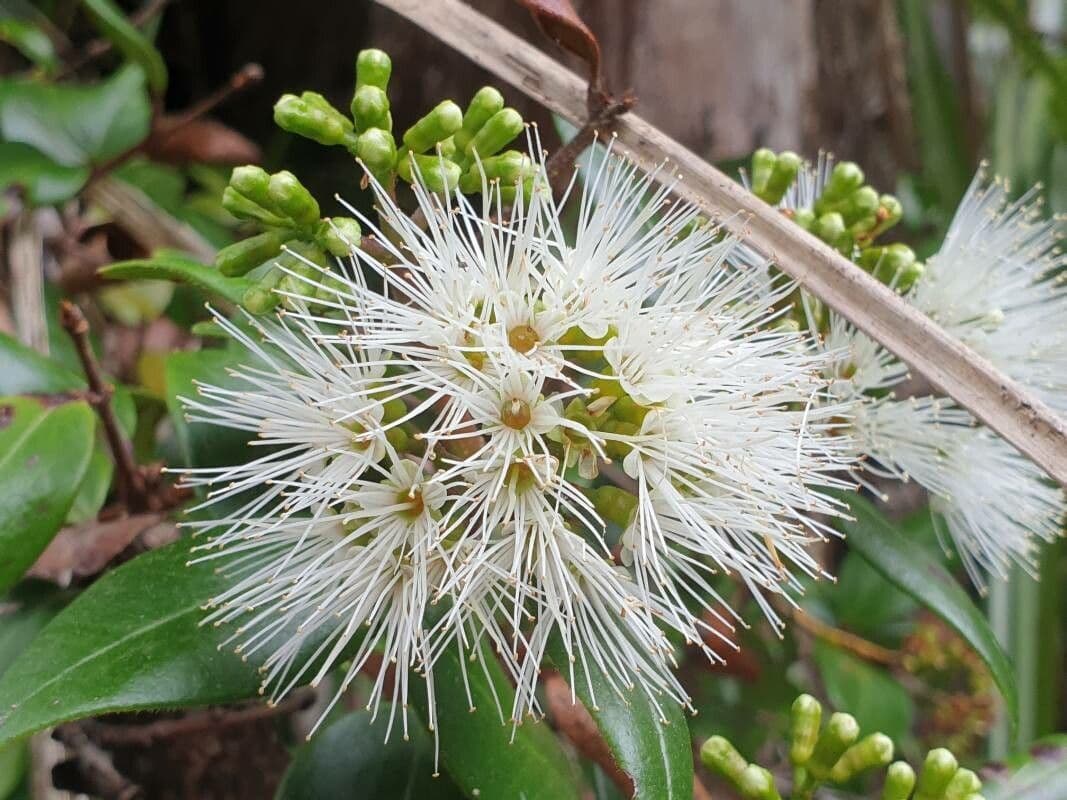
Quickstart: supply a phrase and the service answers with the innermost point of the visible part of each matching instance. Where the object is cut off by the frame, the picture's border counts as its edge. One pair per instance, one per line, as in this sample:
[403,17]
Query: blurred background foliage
[116,139]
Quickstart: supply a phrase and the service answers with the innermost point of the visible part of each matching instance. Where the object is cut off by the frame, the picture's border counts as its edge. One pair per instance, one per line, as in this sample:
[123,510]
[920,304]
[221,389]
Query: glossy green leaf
[350,759]
[911,568]
[43,180]
[23,614]
[76,125]
[44,452]
[176,267]
[876,699]
[477,748]
[656,754]
[132,640]
[95,486]
[24,370]
[129,41]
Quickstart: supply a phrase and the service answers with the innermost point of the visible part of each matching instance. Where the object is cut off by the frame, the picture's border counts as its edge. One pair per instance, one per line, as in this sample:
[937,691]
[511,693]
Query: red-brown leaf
[561,23]
[201,140]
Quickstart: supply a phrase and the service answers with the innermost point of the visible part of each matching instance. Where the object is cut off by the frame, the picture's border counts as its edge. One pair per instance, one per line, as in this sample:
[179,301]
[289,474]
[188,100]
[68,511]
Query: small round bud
[253,182]
[719,755]
[937,772]
[782,176]
[845,178]
[804,217]
[444,120]
[339,236]
[763,163]
[618,506]
[872,751]
[289,197]
[436,173]
[260,297]
[840,732]
[495,134]
[899,781]
[241,257]
[243,208]
[963,786]
[805,717]
[373,68]
[830,228]
[485,103]
[377,150]
[861,203]
[509,168]
[756,783]
[296,116]
[370,109]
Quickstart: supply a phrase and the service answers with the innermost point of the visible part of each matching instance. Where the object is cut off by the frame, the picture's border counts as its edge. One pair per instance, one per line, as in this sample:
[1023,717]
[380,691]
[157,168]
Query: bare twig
[857,645]
[96,766]
[951,367]
[601,121]
[131,484]
[98,47]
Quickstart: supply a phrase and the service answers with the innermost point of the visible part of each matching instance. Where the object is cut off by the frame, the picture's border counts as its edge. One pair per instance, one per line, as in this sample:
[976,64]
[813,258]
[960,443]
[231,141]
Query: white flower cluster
[436,438]
[998,285]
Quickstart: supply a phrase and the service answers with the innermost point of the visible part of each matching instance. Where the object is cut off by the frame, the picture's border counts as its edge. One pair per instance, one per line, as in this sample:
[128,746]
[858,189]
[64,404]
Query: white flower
[998,285]
[426,430]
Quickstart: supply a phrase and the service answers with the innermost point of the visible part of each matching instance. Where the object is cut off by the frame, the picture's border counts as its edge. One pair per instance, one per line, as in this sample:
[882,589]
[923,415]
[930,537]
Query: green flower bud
[805,218]
[763,163]
[377,150]
[872,751]
[626,410]
[316,101]
[937,772]
[861,203]
[907,277]
[289,197]
[373,68]
[830,228]
[253,182]
[890,211]
[756,783]
[240,257]
[261,298]
[243,208]
[805,717]
[495,134]
[888,264]
[963,786]
[434,172]
[339,236]
[840,732]
[845,178]
[294,115]
[508,194]
[899,781]
[485,103]
[398,438]
[781,178]
[509,168]
[444,120]
[447,148]
[615,505]
[718,755]
[370,109]
[299,261]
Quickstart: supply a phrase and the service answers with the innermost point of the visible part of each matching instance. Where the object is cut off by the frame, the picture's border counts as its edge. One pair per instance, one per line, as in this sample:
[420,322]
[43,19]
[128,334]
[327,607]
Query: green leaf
[131,641]
[129,41]
[44,452]
[477,748]
[31,41]
[93,491]
[911,568]
[76,125]
[24,370]
[658,756]
[877,701]
[176,267]
[44,181]
[349,758]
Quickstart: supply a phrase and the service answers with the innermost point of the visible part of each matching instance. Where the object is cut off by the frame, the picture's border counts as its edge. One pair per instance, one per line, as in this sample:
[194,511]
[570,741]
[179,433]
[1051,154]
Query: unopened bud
[289,197]
[243,208]
[373,68]
[495,134]
[615,505]
[241,257]
[937,772]
[253,182]
[443,120]
[763,162]
[319,103]
[436,173]
[840,732]
[339,236]
[782,176]
[872,751]
[830,228]
[805,218]
[861,203]
[261,298]
[719,755]
[845,178]
[805,717]
[376,148]
[899,781]
[294,115]
[508,168]
[370,109]
[756,783]
[485,103]
[963,786]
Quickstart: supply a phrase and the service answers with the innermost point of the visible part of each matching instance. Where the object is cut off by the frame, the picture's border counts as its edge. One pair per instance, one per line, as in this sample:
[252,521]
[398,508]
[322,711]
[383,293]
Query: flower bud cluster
[834,754]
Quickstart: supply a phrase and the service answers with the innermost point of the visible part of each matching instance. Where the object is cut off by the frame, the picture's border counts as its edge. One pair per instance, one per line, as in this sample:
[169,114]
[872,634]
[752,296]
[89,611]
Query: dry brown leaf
[561,23]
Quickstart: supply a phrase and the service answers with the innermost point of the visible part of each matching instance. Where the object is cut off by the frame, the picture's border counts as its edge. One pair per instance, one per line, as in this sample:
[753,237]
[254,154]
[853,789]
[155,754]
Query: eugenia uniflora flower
[438,421]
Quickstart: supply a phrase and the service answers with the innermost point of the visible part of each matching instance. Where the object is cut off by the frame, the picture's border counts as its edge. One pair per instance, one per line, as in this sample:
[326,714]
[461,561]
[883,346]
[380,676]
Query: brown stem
[131,484]
[98,47]
[96,766]
[601,120]
[857,645]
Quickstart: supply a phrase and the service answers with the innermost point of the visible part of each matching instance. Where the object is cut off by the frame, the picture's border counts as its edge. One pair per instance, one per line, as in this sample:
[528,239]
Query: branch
[131,483]
[857,645]
[875,309]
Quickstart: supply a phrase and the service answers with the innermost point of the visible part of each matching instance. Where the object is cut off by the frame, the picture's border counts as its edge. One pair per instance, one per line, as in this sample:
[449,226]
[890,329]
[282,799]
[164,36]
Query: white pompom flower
[442,418]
